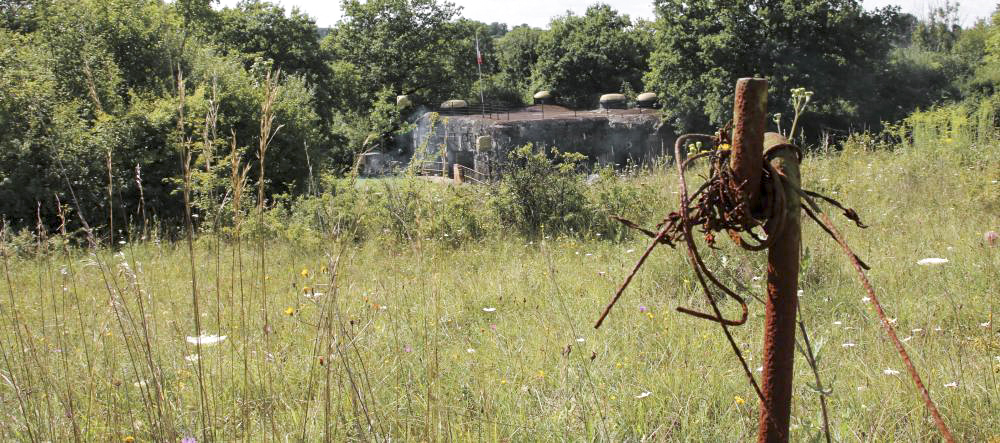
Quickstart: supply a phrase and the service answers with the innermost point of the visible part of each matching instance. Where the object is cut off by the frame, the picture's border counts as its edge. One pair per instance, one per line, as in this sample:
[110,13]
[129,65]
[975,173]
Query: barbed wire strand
[889,329]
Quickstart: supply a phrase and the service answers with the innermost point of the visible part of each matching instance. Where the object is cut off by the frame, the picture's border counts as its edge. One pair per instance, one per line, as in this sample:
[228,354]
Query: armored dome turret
[454,107]
[455,104]
[403,101]
[543,98]
[613,101]
[646,100]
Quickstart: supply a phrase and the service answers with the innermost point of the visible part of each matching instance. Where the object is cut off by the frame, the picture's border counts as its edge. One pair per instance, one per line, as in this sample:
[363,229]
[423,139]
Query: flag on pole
[479,55]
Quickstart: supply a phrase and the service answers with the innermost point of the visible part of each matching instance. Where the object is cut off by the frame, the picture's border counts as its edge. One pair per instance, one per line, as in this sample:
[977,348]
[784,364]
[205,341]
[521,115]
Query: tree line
[90,98]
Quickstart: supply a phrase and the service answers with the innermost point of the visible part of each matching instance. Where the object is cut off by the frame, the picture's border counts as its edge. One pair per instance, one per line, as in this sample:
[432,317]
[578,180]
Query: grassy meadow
[336,337]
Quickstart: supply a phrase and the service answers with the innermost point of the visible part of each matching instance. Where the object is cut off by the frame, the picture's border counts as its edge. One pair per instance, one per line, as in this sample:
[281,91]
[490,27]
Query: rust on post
[749,120]
[782,298]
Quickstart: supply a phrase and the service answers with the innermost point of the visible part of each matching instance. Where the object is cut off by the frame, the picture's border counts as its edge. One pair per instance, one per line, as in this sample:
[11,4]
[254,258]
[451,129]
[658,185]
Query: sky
[537,13]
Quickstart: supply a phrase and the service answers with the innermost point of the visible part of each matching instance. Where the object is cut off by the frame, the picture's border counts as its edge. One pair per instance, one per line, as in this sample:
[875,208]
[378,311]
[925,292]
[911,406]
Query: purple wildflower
[407,348]
[991,237]
[188,440]
[642,308]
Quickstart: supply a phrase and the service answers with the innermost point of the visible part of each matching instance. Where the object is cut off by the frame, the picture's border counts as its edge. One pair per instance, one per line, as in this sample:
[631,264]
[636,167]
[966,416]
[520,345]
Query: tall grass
[409,310]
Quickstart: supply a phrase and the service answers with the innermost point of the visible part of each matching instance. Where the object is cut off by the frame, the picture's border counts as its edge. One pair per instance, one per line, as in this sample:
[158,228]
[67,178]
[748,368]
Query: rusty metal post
[782,301]
[749,120]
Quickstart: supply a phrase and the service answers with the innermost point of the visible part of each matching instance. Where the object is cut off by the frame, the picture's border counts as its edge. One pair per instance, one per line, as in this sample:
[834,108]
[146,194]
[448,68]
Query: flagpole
[479,66]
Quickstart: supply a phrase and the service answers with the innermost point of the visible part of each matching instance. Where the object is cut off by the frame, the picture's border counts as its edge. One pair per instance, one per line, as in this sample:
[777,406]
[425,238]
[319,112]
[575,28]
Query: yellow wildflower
[541,373]
[739,400]
[289,311]
[128,439]
[304,273]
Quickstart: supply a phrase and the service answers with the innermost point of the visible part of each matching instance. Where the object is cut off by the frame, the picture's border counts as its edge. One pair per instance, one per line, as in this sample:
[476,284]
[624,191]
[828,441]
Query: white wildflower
[890,371]
[848,345]
[953,384]
[205,340]
[191,358]
[932,261]
[644,394]
[471,351]
[489,309]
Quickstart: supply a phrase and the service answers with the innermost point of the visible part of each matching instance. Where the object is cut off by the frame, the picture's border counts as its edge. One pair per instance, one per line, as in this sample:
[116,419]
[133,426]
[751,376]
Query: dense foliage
[581,57]
[89,97]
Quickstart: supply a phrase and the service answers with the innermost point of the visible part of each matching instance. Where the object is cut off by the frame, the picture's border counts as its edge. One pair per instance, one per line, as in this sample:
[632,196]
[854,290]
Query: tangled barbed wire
[719,206]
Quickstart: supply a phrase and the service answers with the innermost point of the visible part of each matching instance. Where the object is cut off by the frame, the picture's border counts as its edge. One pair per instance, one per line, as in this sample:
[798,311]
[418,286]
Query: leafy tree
[940,30]
[402,45]
[986,38]
[461,60]
[517,54]
[581,57]
[258,30]
[94,81]
[832,47]
[195,14]
[20,15]
[114,46]
[497,29]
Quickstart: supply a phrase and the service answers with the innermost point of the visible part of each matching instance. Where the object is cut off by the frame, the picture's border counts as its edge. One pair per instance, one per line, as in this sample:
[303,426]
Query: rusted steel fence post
[749,120]
[782,299]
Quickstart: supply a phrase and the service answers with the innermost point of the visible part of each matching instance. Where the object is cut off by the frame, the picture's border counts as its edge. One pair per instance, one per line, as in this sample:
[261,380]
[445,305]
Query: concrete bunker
[482,143]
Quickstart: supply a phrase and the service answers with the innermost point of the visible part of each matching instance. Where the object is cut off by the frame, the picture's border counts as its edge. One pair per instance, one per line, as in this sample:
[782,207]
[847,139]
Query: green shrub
[615,195]
[541,193]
